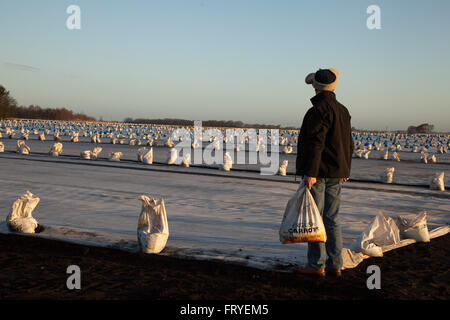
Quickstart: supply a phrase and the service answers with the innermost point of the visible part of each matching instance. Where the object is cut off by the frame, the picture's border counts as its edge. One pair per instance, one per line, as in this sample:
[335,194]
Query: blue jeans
[327,195]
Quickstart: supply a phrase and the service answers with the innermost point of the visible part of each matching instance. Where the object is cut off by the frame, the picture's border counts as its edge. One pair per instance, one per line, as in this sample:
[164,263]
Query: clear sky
[230,59]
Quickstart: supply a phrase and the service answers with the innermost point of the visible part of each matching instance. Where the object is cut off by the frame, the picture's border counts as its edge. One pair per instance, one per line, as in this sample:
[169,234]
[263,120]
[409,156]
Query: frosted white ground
[234,216]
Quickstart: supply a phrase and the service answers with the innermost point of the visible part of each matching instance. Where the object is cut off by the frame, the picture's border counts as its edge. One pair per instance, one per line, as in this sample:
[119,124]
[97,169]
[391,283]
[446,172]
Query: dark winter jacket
[325,144]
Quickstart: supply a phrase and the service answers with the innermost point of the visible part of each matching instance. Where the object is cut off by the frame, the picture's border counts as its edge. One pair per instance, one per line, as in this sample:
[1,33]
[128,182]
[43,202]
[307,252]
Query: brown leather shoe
[310,271]
[334,272]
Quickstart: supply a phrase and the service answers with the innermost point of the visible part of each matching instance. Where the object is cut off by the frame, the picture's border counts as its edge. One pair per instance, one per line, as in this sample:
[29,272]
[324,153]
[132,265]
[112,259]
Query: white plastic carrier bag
[20,218]
[416,229]
[153,228]
[302,221]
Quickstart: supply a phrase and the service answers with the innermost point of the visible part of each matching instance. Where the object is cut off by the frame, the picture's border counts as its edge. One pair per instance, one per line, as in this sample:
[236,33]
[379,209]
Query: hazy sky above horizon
[229,60]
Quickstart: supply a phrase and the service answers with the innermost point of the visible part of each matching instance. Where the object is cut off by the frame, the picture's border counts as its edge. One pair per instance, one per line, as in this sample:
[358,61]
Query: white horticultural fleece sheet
[234,219]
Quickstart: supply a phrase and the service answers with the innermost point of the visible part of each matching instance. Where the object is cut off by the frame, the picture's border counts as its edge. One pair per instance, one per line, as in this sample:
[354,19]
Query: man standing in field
[324,153]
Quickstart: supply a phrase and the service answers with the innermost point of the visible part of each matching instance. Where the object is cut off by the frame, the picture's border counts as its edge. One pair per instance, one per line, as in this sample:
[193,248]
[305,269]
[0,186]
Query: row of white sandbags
[436,181]
[385,234]
[425,157]
[152,227]
[120,131]
[144,155]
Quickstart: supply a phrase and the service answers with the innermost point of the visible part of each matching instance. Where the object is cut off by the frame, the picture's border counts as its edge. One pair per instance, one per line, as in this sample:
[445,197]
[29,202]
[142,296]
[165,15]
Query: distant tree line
[205,123]
[10,109]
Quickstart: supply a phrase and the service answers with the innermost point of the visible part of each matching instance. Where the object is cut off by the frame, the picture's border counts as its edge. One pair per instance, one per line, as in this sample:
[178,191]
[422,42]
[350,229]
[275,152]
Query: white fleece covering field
[232,216]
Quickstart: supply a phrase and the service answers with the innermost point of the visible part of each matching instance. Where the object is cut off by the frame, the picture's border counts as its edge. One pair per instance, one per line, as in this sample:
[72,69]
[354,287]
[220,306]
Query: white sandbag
[86,154]
[153,228]
[416,229]
[95,153]
[432,159]
[20,218]
[186,160]
[359,153]
[22,147]
[351,259]
[195,144]
[382,231]
[287,149]
[437,182]
[2,147]
[302,221]
[140,154]
[283,167]
[388,175]
[173,155]
[372,250]
[56,149]
[395,157]
[227,162]
[74,137]
[216,144]
[115,156]
[148,157]
[169,143]
[95,139]
[424,158]
[257,147]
